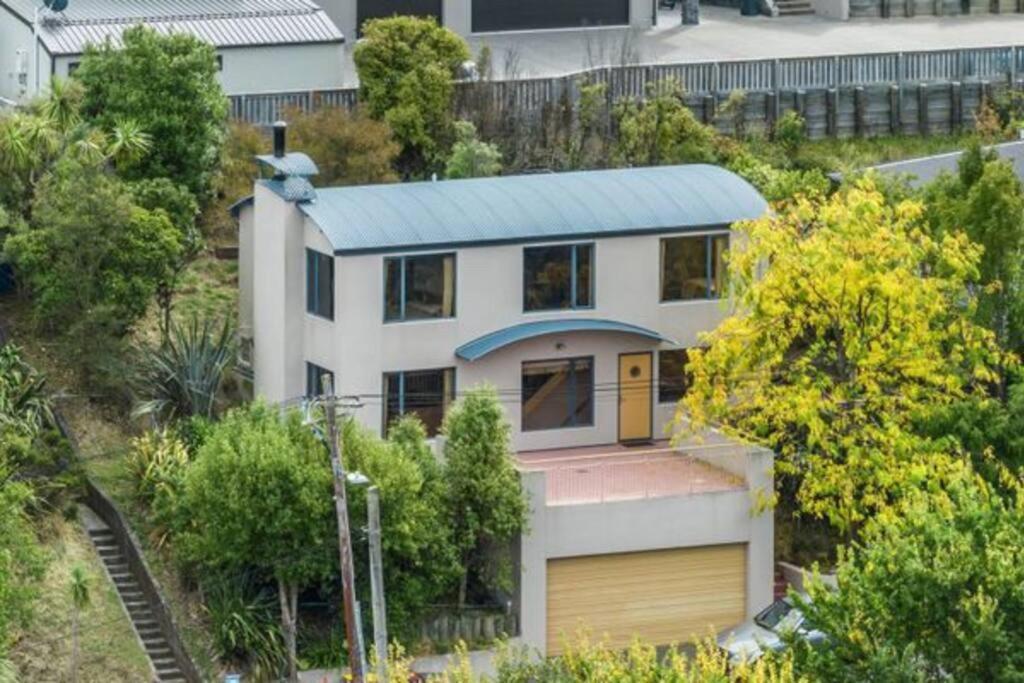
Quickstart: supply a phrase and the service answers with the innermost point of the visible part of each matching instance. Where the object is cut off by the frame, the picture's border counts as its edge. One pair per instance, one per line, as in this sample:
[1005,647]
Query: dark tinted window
[315,379]
[419,287]
[426,393]
[320,284]
[558,277]
[558,393]
[673,381]
[693,267]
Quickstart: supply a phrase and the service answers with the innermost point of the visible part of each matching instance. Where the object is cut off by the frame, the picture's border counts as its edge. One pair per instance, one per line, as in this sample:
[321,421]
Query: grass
[852,154]
[109,649]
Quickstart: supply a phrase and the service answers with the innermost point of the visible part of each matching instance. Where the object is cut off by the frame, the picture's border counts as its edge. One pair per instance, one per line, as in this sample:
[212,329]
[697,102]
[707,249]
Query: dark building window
[673,380]
[558,393]
[693,267]
[73,67]
[320,284]
[220,62]
[315,379]
[558,277]
[419,287]
[425,393]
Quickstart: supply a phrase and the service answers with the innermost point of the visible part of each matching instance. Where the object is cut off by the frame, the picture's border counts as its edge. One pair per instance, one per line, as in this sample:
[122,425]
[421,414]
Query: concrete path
[724,34]
[481,661]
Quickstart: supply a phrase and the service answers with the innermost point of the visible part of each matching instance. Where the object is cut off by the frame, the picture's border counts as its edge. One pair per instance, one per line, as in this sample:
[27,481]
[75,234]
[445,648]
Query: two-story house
[577,297]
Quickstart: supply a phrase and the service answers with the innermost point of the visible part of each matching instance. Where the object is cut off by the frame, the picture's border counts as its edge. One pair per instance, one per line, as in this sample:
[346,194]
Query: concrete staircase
[791,7]
[135,604]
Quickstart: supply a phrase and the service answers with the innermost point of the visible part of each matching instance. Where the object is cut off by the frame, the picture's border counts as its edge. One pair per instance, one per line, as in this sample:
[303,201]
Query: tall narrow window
[320,284]
[558,277]
[419,287]
[315,379]
[558,393]
[673,380]
[693,267]
[425,393]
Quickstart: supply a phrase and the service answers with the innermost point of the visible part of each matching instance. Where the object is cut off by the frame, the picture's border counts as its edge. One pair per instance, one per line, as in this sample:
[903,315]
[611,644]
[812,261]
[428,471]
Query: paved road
[724,34]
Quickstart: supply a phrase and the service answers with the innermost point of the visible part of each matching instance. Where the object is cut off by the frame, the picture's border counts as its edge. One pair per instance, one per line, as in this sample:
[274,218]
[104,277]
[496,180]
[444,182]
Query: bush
[349,148]
[660,130]
[471,157]
[156,462]
[790,131]
[243,626]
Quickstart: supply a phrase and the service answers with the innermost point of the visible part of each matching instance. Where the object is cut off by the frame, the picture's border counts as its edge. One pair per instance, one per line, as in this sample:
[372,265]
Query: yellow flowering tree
[850,320]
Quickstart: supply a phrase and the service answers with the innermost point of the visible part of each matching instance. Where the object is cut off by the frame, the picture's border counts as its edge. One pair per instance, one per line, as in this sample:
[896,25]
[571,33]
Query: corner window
[419,287]
[693,267]
[558,277]
[673,380]
[558,394]
[320,284]
[315,379]
[425,393]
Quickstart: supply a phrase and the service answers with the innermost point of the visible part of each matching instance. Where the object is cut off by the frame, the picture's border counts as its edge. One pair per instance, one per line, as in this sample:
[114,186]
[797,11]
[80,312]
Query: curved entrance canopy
[481,346]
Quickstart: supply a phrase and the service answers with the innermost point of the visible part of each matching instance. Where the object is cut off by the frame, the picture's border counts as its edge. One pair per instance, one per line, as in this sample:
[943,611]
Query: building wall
[273,68]
[15,36]
[358,346]
[683,521]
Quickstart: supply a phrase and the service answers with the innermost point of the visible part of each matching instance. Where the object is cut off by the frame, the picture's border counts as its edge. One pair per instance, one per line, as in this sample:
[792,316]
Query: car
[750,640]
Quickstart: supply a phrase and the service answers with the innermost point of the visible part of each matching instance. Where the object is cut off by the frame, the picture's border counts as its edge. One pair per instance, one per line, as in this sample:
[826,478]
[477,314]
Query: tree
[407,67]
[168,85]
[21,557]
[472,157]
[660,129]
[259,495]
[850,321]
[91,258]
[349,148]
[78,589]
[484,497]
[932,593]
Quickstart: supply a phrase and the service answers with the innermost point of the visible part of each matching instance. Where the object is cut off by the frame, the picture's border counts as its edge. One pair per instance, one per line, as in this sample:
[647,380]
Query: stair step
[164,664]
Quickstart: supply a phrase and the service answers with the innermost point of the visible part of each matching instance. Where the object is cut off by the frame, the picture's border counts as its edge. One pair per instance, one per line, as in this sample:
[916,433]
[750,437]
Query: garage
[374,9]
[662,596]
[524,15]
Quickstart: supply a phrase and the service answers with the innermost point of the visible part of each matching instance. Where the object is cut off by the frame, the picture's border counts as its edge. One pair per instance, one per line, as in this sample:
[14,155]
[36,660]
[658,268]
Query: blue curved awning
[481,346]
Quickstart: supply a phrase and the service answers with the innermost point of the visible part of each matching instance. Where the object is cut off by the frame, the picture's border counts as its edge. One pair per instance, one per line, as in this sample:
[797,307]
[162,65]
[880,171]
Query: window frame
[687,379]
[314,370]
[593,392]
[573,280]
[403,259]
[313,259]
[448,400]
[709,263]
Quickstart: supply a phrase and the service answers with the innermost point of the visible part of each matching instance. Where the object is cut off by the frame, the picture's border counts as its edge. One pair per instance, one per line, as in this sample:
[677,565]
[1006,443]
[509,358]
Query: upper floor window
[558,277]
[320,284]
[419,287]
[425,393]
[315,376]
[673,380]
[693,267]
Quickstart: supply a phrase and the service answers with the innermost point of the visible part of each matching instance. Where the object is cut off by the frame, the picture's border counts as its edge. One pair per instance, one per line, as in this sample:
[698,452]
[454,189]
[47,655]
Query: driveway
[724,34]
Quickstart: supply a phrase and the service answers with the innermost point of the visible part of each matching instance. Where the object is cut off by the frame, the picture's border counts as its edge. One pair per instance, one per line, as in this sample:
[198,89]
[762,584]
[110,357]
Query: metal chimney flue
[280,134]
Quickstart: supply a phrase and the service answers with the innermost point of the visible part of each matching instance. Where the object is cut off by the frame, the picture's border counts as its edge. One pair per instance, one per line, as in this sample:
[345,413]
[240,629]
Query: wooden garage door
[662,596]
[375,9]
[522,15]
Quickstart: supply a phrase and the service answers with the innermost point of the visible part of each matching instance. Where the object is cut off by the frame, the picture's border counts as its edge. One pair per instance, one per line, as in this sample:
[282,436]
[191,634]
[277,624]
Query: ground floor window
[425,393]
[558,393]
[315,379]
[673,380]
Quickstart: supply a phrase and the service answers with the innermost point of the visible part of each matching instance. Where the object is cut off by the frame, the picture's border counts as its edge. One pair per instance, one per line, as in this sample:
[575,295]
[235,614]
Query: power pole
[380,627]
[348,592]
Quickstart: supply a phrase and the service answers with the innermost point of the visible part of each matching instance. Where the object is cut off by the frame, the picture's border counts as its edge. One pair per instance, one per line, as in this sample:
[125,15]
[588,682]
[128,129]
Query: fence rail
[530,95]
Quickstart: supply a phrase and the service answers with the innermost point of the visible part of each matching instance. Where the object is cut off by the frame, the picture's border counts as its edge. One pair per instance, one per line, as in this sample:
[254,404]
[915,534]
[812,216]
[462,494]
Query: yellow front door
[635,372]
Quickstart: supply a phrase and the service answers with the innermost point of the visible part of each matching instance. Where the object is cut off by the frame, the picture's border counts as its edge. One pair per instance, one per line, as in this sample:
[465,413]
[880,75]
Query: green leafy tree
[471,157]
[259,495]
[850,321]
[167,85]
[79,592]
[484,497]
[349,148]
[931,593]
[91,258]
[660,129]
[407,67]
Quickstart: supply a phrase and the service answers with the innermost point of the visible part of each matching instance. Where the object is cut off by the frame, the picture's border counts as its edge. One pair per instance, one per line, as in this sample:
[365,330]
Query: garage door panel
[522,15]
[662,596]
[375,9]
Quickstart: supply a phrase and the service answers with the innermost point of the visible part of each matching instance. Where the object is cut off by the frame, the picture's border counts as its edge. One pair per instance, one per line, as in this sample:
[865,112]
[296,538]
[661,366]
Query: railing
[700,77]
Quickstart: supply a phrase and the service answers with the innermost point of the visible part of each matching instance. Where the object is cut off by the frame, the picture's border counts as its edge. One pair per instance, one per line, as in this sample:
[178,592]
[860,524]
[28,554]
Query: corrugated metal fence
[530,95]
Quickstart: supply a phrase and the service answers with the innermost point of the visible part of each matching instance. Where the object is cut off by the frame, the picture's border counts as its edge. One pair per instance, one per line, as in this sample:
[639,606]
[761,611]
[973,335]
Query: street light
[380,629]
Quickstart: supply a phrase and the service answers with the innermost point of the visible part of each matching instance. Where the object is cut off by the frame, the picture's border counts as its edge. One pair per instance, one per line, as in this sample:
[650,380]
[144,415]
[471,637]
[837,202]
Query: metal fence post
[776,88]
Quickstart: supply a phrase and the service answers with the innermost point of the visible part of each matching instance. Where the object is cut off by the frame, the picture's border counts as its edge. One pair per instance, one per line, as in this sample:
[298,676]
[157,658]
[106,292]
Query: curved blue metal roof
[526,208]
[481,346]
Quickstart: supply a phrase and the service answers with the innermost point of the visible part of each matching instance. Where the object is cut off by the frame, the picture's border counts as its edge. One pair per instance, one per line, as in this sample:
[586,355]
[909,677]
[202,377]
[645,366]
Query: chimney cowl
[280,135]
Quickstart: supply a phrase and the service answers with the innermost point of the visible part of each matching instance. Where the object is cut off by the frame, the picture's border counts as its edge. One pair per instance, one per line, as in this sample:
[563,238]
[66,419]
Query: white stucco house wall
[262,45]
[576,296]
